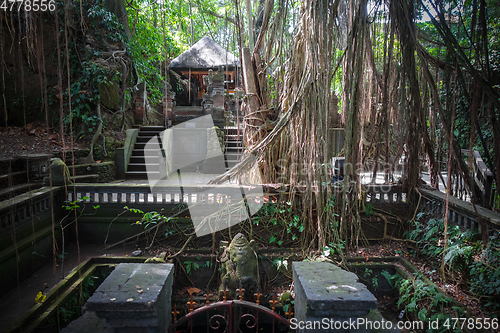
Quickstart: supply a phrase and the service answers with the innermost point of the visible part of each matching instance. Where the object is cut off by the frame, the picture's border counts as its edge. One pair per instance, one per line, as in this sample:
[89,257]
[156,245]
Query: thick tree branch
[230,19]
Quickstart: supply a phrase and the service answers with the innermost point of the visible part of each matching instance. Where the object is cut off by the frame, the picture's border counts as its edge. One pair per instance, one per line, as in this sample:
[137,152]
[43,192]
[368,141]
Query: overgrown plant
[429,238]
[153,220]
[424,302]
[73,208]
[477,264]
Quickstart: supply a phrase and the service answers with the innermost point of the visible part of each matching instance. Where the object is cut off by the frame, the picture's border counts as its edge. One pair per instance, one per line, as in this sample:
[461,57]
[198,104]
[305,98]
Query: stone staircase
[147,160]
[143,160]
[234,146]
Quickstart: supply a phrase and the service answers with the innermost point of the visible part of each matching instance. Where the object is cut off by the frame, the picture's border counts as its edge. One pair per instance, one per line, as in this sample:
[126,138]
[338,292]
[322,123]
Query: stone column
[213,100]
[168,102]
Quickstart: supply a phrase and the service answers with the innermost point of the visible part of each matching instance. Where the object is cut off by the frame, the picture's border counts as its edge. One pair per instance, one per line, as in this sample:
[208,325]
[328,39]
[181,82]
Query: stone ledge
[329,289]
[135,296]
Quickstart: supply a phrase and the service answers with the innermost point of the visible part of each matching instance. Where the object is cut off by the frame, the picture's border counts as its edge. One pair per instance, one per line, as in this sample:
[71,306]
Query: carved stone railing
[30,217]
[21,209]
[385,194]
[141,193]
[460,212]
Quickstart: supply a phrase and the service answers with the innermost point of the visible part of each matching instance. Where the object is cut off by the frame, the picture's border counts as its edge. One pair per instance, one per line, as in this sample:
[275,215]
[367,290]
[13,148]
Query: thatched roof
[206,53]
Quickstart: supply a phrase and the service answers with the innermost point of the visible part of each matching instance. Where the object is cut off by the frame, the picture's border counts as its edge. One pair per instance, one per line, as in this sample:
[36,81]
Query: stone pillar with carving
[140,102]
[213,100]
[168,102]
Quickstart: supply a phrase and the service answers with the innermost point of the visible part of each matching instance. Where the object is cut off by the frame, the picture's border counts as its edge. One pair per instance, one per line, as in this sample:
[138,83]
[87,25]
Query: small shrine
[213,75]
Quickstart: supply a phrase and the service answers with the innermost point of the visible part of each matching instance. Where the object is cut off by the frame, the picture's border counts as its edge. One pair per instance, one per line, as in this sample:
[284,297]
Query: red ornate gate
[231,316]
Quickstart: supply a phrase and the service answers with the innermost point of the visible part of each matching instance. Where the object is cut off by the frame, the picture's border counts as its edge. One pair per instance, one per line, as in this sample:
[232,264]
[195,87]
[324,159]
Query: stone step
[236,149]
[142,145]
[151,129]
[229,156]
[143,167]
[234,137]
[238,144]
[12,191]
[232,130]
[144,159]
[92,178]
[18,177]
[145,152]
[145,138]
[139,175]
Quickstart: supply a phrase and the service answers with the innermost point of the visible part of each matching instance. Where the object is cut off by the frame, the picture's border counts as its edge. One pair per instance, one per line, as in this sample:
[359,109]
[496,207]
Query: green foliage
[191,266]
[150,219]
[73,205]
[392,279]
[429,238]
[88,69]
[478,263]
[368,209]
[149,44]
[280,218]
[424,302]
[485,274]
[106,20]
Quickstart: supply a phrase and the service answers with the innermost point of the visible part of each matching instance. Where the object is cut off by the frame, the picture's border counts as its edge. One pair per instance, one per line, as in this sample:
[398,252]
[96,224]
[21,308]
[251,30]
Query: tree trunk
[117,7]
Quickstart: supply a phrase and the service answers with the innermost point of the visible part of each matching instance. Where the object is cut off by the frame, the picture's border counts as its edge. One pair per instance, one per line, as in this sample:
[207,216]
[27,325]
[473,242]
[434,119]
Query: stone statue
[60,173]
[239,268]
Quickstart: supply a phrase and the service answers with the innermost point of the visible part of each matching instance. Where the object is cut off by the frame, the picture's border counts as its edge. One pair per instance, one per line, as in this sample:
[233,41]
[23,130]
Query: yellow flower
[40,297]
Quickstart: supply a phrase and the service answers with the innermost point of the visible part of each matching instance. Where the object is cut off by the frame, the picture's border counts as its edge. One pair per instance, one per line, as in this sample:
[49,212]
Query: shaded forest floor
[35,138]
[31,139]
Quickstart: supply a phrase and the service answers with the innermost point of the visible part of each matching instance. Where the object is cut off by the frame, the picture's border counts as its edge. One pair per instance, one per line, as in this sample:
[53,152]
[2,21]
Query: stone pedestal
[135,298]
[332,298]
